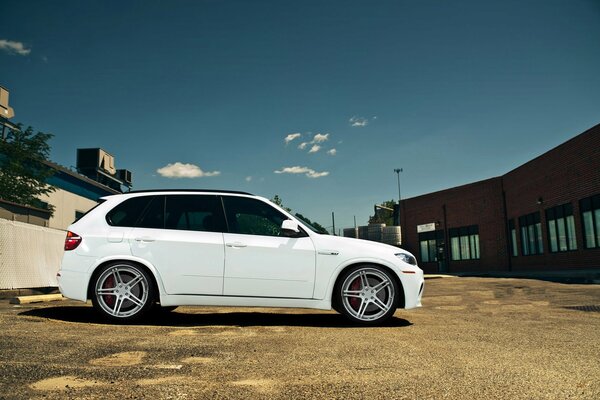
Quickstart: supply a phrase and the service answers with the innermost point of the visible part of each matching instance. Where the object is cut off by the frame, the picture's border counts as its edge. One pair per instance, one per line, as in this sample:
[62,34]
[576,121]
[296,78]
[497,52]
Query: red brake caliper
[109,283]
[354,301]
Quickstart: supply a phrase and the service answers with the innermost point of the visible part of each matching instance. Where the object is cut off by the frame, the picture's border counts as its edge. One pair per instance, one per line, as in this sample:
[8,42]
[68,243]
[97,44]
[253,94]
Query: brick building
[543,215]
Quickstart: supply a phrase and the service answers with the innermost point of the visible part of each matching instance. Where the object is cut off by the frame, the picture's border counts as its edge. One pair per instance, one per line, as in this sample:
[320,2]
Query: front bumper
[413,285]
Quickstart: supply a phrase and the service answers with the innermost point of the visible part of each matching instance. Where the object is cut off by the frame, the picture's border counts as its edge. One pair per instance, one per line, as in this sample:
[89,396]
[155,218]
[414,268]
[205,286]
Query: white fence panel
[30,255]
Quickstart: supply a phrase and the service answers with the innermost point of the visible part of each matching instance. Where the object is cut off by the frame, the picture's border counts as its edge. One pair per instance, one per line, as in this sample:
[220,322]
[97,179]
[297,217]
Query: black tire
[123,292]
[366,294]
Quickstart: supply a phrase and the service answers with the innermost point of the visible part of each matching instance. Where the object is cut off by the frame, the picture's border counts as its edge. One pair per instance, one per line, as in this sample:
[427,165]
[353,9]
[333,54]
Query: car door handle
[144,239]
[236,245]
[329,252]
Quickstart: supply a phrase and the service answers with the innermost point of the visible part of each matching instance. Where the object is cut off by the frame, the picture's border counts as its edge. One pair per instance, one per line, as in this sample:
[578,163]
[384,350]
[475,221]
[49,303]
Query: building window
[428,246]
[531,234]
[561,228]
[512,238]
[590,217]
[464,243]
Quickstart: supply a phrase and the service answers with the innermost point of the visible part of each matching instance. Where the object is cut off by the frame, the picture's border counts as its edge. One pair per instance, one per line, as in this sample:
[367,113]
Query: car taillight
[72,241]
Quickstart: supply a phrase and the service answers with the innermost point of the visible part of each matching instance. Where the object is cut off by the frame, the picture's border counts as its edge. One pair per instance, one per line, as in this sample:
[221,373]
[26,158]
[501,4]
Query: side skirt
[239,301]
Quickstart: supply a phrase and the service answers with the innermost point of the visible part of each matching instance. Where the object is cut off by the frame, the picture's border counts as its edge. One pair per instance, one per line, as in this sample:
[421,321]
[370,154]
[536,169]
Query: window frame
[465,243]
[512,238]
[431,240]
[530,228]
[590,205]
[560,225]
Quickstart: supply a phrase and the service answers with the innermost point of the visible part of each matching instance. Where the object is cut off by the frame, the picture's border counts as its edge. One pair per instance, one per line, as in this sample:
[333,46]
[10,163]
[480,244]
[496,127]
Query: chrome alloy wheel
[368,294]
[122,291]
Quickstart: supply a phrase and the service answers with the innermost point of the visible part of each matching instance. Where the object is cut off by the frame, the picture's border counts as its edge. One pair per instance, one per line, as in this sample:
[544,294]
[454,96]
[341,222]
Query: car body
[137,250]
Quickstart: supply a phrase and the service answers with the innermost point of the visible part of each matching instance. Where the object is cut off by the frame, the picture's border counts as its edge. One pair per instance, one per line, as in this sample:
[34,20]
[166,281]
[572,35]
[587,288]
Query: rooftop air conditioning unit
[124,175]
[5,111]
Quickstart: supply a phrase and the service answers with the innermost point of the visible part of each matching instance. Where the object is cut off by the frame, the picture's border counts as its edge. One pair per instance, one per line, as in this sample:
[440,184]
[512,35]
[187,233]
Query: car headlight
[407,258]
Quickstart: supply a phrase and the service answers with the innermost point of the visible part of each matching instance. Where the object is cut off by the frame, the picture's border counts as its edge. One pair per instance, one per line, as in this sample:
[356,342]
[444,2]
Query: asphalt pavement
[474,338]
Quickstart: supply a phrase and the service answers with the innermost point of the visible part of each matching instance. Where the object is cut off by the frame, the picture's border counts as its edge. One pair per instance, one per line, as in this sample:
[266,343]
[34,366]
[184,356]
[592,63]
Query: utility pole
[333,221]
[397,171]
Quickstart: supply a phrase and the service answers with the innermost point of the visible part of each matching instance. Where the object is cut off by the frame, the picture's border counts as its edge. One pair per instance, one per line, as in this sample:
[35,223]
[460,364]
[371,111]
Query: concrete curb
[6,294]
[42,298]
[437,276]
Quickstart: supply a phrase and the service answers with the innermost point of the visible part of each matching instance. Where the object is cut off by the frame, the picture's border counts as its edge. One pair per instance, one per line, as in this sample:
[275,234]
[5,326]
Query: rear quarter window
[128,212]
[79,215]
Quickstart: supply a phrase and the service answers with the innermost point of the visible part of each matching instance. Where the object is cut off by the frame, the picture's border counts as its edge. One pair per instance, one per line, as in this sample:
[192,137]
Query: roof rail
[188,190]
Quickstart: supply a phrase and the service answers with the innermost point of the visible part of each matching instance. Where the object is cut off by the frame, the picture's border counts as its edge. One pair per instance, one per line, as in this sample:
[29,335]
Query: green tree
[23,173]
[277,200]
[382,215]
[315,225]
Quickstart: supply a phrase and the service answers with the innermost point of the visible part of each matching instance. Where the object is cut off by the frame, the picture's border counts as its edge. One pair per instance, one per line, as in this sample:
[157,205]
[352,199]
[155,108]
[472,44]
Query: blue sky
[450,91]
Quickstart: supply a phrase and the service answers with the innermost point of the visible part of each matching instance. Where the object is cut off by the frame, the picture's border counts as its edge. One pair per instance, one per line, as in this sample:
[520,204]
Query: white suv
[141,250]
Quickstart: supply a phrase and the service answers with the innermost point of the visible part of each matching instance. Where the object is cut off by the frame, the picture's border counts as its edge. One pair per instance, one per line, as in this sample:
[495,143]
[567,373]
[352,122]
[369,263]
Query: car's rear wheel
[367,294]
[123,291]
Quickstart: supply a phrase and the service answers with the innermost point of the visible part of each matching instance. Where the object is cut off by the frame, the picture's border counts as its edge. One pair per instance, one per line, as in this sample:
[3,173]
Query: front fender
[324,292]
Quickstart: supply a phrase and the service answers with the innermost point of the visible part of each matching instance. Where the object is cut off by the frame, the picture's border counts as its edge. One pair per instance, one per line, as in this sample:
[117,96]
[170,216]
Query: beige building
[74,195]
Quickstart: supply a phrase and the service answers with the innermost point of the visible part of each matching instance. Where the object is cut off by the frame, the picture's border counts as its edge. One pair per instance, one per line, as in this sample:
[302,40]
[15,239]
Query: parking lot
[473,338]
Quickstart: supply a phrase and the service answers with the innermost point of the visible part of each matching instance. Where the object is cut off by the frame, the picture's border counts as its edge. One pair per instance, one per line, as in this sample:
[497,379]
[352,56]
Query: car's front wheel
[367,294]
[123,291]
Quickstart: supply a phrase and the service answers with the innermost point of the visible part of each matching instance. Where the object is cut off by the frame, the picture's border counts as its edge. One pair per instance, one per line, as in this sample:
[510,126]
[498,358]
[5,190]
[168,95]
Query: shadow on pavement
[80,314]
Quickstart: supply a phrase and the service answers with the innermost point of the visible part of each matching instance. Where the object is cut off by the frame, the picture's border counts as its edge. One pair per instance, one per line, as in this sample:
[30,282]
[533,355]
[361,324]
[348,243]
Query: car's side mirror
[290,228]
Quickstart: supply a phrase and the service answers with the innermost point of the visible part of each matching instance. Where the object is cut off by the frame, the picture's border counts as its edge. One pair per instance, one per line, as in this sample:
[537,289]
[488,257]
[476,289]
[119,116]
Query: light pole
[397,171]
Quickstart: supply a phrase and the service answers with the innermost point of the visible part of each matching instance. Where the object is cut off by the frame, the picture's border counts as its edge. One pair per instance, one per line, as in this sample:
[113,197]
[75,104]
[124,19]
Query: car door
[259,260]
[182,236]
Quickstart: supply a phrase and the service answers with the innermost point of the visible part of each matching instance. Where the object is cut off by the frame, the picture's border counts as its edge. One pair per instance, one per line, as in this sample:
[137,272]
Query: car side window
[252,217]
[194,213]
[128,212]
[154,215]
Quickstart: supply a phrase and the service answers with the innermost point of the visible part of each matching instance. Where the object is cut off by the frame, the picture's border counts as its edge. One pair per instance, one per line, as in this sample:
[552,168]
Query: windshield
[309,224]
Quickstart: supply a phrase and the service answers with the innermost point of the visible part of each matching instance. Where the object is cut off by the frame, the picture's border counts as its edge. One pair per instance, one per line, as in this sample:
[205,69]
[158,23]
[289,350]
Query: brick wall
[478,203]
[565,174]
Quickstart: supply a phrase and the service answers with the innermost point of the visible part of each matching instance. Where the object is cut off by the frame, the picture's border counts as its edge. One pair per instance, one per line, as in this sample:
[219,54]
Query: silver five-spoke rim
[122,291]
[367,294]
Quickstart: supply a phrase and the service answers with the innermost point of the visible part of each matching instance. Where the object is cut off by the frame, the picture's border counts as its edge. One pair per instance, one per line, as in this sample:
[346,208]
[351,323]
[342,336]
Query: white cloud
[332,152]
[14,47]
[248,178]
[181,170]
[314,145]
[294,170]
[319,138]
[291,137]
[314,174]
[311,173]
[358,121]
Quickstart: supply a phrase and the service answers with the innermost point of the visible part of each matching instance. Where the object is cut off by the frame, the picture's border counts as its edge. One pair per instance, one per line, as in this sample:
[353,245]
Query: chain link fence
[30,255]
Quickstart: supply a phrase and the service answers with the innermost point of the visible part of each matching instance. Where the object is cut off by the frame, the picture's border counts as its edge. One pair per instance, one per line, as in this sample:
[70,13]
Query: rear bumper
[73,284]
[73,276]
